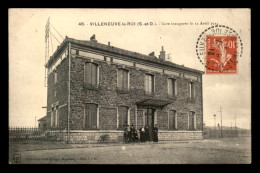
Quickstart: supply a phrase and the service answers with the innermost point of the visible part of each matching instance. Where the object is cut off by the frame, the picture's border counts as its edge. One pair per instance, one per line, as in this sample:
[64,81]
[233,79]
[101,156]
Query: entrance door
[150,121]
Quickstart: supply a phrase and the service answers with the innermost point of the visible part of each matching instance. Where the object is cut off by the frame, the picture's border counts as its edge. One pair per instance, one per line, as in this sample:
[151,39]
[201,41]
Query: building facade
[96,89]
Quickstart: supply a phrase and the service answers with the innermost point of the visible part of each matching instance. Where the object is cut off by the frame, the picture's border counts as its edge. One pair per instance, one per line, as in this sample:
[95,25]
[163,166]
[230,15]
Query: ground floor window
[192,120]
[91,116]
[55,117]
[172,120]
[123,116]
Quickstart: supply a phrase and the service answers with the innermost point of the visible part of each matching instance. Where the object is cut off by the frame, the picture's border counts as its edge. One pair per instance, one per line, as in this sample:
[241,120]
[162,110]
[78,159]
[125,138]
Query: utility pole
[35,122]
[221,122]
[215,121]
[236,125]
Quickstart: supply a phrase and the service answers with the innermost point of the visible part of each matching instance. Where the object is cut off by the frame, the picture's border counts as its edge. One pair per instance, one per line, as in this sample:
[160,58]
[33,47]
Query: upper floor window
[172,87]
[123,116]
[91,74]
[149,83]
[91,116]
[192,90]
[123,79]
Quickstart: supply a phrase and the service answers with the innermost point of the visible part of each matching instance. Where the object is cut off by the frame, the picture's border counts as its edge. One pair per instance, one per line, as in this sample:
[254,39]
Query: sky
[27,94]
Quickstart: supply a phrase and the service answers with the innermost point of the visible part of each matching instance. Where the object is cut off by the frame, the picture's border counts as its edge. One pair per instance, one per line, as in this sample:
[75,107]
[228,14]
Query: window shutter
[145,117]
[191,120]
[175,87]
[54,115]
[194,121]
[149,83]
[88,114]
[194,90]
[88,73]
[173,119]
[94,116]
[153,83]
[145,83]
[51,117]
[176,119]
[168,86]
[170,120]
[94,74]
[57,118]
[120,118]
[91,116]
[189,89]
[123,116]
[155,117]
[120,78]
[125,79]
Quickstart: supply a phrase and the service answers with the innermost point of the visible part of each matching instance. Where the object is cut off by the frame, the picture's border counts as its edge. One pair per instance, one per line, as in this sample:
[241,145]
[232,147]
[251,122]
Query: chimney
[93,38]
[151,54]
[109,43]
[162,54]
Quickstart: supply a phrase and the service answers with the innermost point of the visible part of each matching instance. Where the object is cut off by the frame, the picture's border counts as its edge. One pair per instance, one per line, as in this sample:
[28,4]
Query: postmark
[219,48]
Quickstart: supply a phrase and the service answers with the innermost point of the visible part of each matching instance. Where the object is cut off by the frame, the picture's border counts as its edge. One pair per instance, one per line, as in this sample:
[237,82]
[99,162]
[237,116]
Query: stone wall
[107,118]
[107,95]
[79,137]
[61,88]
[162,120]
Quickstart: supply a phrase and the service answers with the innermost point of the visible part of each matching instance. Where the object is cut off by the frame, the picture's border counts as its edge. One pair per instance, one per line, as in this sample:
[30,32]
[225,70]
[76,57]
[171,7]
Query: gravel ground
[224,151]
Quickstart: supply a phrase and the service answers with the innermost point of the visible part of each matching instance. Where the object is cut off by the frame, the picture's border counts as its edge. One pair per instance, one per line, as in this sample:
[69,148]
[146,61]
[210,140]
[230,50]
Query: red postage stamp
[219,48]
[221,54]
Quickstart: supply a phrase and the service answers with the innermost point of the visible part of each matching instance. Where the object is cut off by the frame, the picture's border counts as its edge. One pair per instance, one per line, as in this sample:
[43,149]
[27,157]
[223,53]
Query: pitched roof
[115,50]
[43,118]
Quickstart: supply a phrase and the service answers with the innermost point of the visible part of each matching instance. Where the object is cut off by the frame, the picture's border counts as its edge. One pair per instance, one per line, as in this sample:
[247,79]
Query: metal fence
[216,133]
[27,135]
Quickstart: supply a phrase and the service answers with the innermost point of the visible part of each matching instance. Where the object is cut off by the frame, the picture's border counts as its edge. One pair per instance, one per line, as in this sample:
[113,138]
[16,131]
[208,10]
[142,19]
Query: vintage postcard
[129,86]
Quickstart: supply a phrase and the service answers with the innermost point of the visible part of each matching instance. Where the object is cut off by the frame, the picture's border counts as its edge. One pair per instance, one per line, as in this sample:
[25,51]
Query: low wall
[179,135]
[80,137]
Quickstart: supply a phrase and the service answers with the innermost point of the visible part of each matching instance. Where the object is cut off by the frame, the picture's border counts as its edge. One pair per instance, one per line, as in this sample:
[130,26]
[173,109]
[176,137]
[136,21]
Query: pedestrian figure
[132,132]
[155,133]
[142,134]
[147,137]
[136,136]
[126,134]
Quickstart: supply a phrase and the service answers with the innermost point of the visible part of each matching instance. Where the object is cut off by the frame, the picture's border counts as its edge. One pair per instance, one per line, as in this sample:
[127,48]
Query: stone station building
[96,89]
